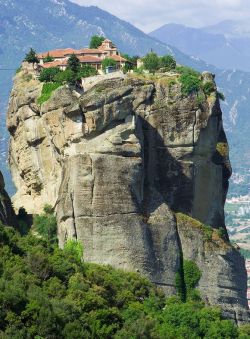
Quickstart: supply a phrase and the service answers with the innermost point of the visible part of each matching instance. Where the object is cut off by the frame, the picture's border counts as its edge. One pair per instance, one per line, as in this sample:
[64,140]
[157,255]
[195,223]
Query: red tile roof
[61,53]
[90,51]
[118,58]
[89,59]
[55,63]
[57,53]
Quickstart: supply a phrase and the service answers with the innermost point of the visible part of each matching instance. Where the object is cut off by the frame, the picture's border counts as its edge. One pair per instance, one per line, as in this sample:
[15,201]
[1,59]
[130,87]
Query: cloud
[148,15]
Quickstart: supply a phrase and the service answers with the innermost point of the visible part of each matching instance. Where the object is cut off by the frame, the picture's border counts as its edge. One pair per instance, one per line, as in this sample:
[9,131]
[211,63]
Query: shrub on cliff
[49,74]
[221,96]
[190,80]
[209,87]
[168,62]
[45,224]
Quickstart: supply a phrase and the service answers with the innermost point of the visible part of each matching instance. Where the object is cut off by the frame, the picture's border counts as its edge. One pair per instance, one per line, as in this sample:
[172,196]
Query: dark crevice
[73,215]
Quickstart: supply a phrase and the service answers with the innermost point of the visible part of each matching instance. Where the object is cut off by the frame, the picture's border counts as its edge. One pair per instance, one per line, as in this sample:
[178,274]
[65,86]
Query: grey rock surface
[118,163]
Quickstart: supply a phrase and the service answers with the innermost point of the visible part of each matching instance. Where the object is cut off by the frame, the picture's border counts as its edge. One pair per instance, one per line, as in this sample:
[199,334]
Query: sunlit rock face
[118,162]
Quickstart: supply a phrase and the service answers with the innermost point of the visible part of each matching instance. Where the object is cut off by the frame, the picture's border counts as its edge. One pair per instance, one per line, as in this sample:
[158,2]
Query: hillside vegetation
[47,292]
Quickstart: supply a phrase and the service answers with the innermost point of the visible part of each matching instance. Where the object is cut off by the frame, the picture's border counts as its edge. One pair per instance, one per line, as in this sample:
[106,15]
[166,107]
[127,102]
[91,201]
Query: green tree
[131,64]
[108,62]
[67,76]
[96,41]
[31,57]
[86,71]
[47,292]
[73,63]
[48,74]
[48,58]
[168,62]
[151,62]
[45,224]
[73,248]
[192,275]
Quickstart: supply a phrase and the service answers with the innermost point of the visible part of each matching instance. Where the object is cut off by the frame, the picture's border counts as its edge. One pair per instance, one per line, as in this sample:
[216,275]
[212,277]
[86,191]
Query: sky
[149,15]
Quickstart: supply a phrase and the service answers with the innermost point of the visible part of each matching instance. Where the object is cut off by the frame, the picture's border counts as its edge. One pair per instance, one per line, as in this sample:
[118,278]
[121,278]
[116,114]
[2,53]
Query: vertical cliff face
[130,166]
[7,214]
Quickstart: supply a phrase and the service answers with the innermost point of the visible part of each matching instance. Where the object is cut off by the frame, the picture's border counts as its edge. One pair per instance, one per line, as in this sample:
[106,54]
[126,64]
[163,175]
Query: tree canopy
[108,62]
[48,74]
[31,56]
[151,62]
[96,41]
[168,62]
[47,292]
[73,63]
[48,58]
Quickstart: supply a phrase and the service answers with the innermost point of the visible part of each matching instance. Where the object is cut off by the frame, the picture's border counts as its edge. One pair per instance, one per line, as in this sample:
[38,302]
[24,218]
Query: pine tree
[31,57]
[73,63]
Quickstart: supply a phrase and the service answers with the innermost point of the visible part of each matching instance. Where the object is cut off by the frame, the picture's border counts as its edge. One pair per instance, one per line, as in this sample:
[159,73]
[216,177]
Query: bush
[222,233]
[187,70]
[200,99]
[45,224]
[168,62]
[186,280]
[209,88]
[221,96]
[86,71]
[47,90]
[189,79]
[48,74]
[207,233]
[74,248]
[48,58]
[244,331]
[108,62]
[192,275]
[189,84]
[67,76]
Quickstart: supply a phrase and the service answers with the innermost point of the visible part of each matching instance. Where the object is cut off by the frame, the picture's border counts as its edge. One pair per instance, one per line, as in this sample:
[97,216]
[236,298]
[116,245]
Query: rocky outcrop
[7,214]
[118,162]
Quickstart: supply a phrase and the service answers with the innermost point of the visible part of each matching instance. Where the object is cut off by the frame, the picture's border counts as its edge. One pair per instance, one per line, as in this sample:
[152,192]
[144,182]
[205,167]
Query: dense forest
[47,292]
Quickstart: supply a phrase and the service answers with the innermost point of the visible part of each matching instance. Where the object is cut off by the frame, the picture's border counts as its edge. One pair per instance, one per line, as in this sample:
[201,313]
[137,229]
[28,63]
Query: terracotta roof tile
[118,58]
[90,59]
[61,53]
[55,63]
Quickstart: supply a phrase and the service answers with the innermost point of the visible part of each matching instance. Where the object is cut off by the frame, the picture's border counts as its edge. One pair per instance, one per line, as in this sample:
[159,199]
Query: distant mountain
[226,45]
[230,28]
[46,24]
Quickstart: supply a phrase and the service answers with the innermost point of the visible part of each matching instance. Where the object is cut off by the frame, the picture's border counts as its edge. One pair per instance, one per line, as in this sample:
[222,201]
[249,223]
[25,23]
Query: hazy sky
[150,14]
